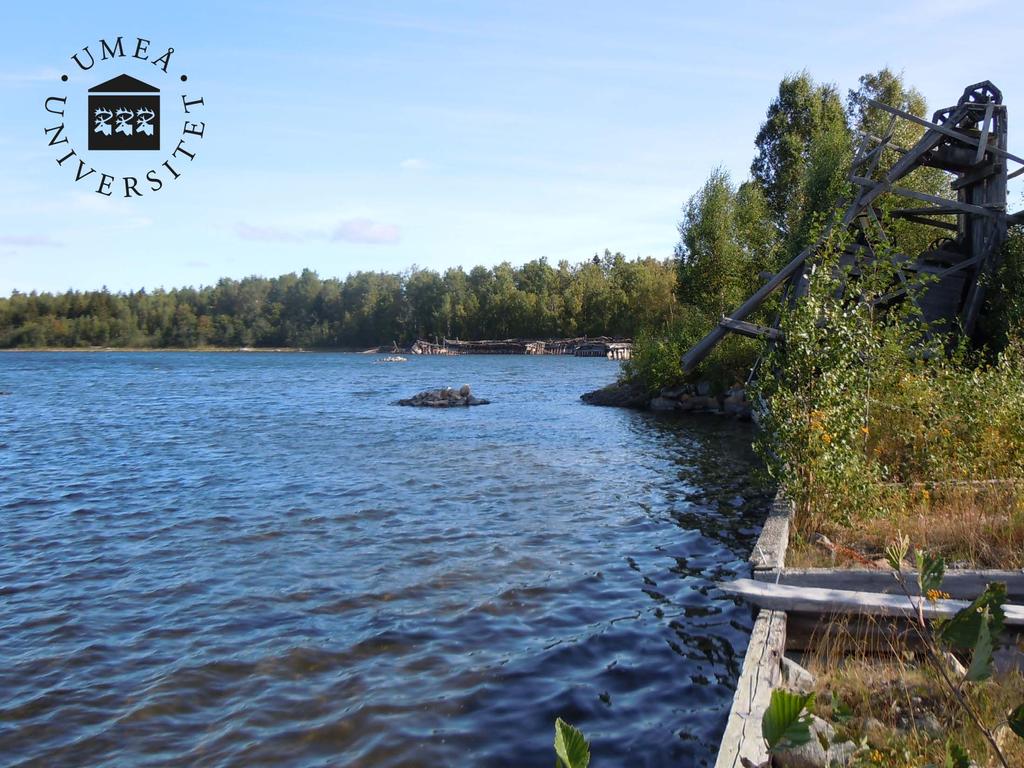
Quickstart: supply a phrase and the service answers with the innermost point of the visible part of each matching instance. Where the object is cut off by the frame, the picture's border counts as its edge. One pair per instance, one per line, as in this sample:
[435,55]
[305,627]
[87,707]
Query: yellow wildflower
[826,438]
[936,594]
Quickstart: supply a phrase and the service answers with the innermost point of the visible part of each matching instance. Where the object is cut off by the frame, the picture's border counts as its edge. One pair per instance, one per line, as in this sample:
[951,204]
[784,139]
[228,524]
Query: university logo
[103,110]
[134,105]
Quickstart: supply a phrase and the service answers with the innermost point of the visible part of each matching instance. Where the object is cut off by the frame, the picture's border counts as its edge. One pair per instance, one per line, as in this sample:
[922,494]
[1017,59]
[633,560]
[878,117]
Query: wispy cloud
[412,164]
[366,231]
[358,230]
[30,241]
[38,76]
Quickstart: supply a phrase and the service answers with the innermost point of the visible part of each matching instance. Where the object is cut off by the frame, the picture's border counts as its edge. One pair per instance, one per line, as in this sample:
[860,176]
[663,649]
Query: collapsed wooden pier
[600,346]
[967,141]
[795,603]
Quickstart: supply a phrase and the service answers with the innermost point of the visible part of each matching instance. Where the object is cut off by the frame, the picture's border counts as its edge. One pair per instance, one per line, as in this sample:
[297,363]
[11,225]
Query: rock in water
[621,395]
[445,397]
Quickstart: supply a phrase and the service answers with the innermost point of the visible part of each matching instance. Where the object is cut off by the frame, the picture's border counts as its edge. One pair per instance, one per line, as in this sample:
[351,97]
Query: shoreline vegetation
[877,425]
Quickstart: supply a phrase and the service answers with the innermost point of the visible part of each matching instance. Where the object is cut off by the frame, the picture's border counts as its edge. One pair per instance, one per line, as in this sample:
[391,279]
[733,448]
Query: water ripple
[254,560]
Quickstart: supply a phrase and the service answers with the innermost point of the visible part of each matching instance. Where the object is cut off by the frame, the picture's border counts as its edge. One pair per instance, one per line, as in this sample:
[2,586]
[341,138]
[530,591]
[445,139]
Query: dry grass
[877,687]
[972,526]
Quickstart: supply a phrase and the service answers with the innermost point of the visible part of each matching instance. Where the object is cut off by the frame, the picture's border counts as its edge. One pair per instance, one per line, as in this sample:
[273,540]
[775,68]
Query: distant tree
[802,115]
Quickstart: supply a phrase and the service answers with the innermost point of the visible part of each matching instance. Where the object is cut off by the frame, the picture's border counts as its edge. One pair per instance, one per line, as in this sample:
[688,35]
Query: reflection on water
[252,559]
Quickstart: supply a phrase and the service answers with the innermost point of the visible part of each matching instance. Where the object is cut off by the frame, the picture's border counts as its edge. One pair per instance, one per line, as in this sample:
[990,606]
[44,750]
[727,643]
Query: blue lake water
[255,559]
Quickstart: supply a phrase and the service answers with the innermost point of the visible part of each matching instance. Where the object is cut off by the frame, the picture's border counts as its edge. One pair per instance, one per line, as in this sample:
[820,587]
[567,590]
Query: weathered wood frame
[979,163]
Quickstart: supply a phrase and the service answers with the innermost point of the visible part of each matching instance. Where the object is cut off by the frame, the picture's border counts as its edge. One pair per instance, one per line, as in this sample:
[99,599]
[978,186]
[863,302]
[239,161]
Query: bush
[867,409]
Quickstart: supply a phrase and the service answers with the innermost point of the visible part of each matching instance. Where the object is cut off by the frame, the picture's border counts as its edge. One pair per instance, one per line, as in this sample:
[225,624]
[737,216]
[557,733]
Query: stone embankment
[696,398]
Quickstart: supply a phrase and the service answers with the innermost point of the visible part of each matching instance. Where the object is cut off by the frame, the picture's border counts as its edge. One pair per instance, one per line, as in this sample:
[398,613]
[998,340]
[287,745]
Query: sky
[345,136]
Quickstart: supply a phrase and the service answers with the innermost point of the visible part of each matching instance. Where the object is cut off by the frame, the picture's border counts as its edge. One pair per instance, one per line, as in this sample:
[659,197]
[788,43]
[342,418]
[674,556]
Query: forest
[605,295]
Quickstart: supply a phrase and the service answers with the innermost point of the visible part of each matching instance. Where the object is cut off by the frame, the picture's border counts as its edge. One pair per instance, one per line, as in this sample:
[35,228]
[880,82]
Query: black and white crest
[124,114]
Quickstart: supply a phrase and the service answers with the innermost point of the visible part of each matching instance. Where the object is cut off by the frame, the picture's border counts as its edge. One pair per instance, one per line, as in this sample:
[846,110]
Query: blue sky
[348,136]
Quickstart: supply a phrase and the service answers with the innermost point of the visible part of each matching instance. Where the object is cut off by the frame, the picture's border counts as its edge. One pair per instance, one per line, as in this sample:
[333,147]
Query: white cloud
[30,241]
[366,231]
[40,75]
[412,164]
[357,230]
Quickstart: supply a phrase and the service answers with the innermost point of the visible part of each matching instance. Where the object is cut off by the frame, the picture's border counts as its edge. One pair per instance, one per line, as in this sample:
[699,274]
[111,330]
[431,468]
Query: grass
[977,525]
[878,689]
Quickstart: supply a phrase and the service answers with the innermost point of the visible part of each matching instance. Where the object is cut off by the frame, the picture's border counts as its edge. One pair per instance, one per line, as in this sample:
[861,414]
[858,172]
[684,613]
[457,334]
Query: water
[254,559]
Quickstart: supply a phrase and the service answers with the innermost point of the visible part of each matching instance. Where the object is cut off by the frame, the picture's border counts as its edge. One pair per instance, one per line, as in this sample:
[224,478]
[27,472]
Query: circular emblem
[126,121]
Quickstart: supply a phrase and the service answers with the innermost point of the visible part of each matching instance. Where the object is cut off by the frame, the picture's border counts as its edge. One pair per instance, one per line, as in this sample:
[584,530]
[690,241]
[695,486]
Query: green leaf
[931,569]
[784,721]
[1016,721]
[964,629]
[897,551]
[571,747]
[956,756]
[840,712]
[981,661]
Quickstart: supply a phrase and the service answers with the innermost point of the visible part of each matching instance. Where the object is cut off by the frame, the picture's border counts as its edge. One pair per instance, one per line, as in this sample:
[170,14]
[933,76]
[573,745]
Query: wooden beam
[701,349]
[935,210]
[960,265]
[889,143]
[974,177]
[945,130]
[752,330]
[913,193]
[986,124]
[960,584]
[761,673]
[929,222]
[781,597]
[770,549]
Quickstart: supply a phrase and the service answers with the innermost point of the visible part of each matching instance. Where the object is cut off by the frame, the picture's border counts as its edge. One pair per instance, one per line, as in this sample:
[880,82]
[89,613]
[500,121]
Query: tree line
[606,295]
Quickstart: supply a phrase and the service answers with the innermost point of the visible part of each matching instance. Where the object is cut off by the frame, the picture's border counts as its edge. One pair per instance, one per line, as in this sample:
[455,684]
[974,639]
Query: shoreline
[176,349]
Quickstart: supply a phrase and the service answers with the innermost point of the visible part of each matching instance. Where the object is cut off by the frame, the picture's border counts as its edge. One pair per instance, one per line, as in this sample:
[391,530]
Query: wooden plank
[972,178]
[770,549]
[889,143]
[961,584]
[928,222]
[782,597]
[761,672]
[905,192]
[934,210]
[752,330]
[986,124]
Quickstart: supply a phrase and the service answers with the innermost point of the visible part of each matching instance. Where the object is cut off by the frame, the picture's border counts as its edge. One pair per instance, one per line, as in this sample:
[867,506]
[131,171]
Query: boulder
[445,397]
[663,404]
[796,677]
[819,751]
[673,392]
[619,395]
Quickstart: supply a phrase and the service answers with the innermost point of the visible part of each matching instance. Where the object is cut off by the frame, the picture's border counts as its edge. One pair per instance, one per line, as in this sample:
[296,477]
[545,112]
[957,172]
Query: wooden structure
[601,346]
[969,141]
[796,604]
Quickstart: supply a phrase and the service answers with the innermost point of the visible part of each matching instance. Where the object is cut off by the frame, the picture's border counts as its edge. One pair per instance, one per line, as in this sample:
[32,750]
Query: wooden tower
[968,141]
